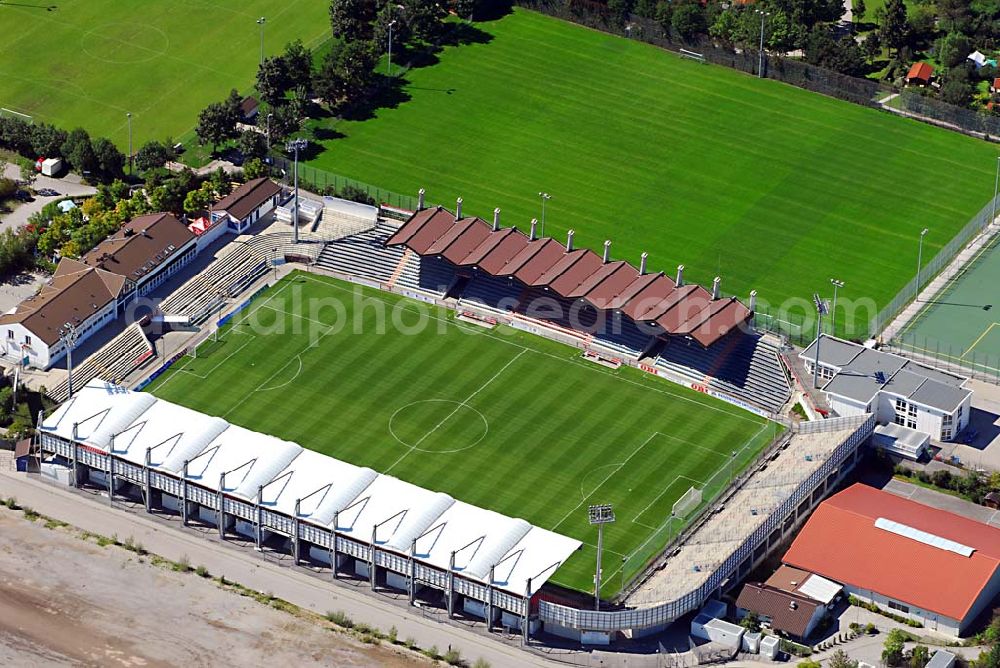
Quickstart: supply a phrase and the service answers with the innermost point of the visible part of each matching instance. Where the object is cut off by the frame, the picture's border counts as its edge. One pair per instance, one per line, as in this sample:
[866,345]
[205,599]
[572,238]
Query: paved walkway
[942,501]
[70,185]
[263,572]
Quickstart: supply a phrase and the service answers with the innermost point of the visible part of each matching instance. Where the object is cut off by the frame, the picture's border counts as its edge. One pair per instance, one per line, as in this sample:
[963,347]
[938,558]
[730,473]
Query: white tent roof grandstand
[249,459]
[111,417]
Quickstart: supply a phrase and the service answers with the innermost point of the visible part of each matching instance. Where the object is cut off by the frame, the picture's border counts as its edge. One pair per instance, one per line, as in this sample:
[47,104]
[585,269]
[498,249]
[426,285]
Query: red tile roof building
[934,566]
[653,298]
[920,73]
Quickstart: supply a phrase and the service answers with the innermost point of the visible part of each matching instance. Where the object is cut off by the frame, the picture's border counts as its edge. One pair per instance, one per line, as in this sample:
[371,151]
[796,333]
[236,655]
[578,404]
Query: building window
[946,434]
[899,606]
[960,412]
[946,421]
[912,424]
[27,340]
[901,405]
[10,333]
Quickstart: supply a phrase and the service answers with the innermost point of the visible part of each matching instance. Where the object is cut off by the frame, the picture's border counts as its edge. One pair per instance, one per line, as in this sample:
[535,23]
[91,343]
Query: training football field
[89,62]
[496,418]
[772,187]
[961,324]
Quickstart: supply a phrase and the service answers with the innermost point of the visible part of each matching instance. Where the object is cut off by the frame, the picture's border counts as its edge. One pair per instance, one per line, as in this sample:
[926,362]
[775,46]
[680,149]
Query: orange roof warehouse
[930,565]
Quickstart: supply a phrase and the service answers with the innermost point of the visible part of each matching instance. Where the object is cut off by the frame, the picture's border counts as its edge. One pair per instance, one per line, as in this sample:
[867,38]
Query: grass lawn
[88,62]
[501,419]
[772,187]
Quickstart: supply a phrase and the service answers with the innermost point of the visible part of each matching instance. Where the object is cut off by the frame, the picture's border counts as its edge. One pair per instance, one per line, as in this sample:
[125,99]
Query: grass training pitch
[500,419]
[89,62]
[772,187]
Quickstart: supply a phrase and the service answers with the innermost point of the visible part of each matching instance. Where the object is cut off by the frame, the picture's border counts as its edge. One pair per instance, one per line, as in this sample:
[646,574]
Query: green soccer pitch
[89,62]
[772,187]
[496,418]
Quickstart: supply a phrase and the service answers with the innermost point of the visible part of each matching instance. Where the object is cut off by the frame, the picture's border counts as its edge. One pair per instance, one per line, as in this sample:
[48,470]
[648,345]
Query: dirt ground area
[69,602]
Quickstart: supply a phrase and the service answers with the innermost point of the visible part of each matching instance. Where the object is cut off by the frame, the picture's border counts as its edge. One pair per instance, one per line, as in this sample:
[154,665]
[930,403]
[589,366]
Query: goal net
[688,503]
[10,113]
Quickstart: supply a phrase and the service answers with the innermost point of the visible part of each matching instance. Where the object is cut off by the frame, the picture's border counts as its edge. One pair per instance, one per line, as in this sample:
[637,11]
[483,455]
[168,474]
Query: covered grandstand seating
[112,362]
[570,273]
[403,518]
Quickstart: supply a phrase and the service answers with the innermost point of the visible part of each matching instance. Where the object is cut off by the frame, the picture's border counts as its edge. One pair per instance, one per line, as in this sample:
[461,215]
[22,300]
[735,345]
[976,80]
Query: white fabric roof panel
[404,512]
[536,556]
[387,498]
[173,433]
[248,459]
[320,482]
[99,409]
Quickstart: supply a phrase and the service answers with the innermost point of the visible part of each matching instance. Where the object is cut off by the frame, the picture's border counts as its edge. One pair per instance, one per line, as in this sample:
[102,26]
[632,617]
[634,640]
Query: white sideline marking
[457,408]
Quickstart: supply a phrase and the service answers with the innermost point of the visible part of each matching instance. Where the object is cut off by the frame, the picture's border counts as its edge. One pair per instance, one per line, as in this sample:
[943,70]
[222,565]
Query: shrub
[183,565]
[454,658]
[340,618]
[393,635]
[202,572]
[481,663]
[432,652]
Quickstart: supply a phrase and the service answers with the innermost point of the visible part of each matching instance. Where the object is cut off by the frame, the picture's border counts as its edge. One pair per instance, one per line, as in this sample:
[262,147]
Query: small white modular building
[898,391]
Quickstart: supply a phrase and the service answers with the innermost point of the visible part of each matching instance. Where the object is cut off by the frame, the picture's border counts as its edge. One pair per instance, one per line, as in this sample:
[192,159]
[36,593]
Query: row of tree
[95,157]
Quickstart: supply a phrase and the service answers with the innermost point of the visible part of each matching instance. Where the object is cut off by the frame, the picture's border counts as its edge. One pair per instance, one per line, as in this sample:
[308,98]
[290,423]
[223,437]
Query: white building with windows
[898,391]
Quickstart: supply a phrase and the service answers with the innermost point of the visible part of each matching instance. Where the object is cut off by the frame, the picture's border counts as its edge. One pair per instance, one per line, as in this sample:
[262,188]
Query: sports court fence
[913,102]
[938,263]
[947,356]
[323,182]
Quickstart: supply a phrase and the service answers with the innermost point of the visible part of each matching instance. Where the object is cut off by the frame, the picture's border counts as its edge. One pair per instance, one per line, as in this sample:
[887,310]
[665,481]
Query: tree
[217,121]
[347,73]
[7,188]
[892,650]
[388,12]
[953,49]
[895,29]
[352,19]
[689,20]
[919,657]
[256,168]
[284,121]
[151,155]
[620,10]
[198,200]
[751,622]
[47,140]
[298,64]
[110,161]
[220,182]
[858,10]
[839,659]
[79,151]
[273,80]
[843,55]
[424,18]
[252,144]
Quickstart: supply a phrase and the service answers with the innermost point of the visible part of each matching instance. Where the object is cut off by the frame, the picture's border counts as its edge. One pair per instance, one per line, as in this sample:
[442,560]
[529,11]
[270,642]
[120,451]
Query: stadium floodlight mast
[545,198]
[295,146]
[920,261]
[833,324]
[391,24]
[268,132]
[261,21]
[821,310]
[128,115]
[760,52]
[68,335]
[600,515]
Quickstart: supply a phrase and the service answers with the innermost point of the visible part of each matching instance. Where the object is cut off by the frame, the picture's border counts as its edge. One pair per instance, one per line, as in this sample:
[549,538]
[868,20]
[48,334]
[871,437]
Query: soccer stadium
[452,353]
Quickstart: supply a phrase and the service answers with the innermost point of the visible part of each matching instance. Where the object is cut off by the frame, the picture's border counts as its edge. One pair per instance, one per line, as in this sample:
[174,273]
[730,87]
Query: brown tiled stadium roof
[141,245]
[688,310]
[241,202]
[75,293]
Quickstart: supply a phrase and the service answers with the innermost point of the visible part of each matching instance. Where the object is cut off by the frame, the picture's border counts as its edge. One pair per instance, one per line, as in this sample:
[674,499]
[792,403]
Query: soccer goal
[687,504]
[10,113]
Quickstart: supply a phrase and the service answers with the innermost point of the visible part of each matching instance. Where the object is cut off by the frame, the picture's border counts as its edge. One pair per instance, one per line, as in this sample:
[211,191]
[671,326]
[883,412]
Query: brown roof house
[919,75]
[91,292]
[792,614]
[248,203]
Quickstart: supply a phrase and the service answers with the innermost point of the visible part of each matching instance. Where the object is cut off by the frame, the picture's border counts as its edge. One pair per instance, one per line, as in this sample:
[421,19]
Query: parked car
[23,196]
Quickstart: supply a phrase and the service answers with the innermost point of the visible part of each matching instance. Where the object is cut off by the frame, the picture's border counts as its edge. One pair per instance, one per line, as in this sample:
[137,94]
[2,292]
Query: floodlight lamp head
[839,284]
[925,231]
[601,514]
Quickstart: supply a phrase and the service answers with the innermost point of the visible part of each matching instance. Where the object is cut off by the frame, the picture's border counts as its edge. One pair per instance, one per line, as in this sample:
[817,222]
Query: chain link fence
[323,182]
[947,356]
[913,103]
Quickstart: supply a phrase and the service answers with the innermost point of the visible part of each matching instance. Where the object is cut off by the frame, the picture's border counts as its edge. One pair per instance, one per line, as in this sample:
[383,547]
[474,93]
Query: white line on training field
[606,478]
[457,408]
